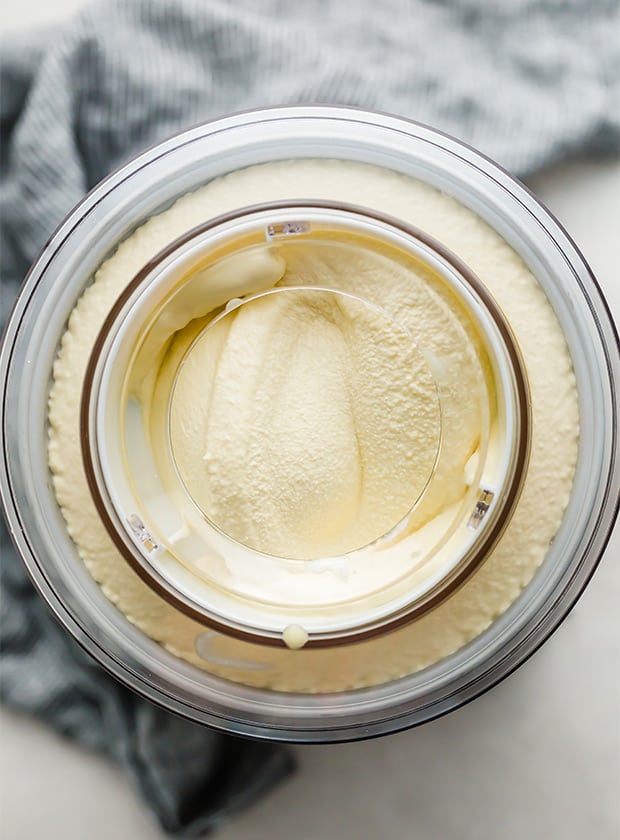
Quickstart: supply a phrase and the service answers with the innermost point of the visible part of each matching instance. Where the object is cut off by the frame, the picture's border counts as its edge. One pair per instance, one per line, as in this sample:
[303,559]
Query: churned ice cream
[306,425]
[358,431]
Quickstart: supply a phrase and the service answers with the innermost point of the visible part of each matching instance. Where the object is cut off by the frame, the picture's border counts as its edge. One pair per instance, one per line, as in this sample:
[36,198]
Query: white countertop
[538,757]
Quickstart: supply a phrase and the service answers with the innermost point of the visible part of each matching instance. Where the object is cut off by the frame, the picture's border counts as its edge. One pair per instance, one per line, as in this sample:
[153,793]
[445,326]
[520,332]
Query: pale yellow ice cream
[554,410]
[306,424]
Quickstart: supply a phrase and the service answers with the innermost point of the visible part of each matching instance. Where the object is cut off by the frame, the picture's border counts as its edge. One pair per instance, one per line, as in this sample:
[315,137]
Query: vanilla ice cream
[311,379]
[388,396]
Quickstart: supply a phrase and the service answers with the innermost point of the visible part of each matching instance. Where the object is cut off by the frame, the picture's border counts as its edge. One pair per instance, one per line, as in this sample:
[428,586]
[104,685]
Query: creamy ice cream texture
[306,424]
[364,455]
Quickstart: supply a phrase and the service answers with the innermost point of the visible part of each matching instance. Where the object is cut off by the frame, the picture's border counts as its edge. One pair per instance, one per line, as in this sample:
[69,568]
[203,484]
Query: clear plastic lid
[158,405]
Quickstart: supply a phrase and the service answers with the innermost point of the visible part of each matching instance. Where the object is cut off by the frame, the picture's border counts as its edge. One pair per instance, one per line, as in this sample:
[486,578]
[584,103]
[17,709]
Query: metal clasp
[281,229]
[481,509]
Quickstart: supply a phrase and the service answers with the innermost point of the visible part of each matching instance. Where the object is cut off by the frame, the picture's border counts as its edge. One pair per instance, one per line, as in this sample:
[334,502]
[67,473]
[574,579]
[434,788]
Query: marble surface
[537,757]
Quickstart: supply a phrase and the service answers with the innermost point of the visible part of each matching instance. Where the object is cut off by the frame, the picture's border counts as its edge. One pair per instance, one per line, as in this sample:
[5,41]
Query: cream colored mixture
[554,410]
[305,424]
[353,396]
